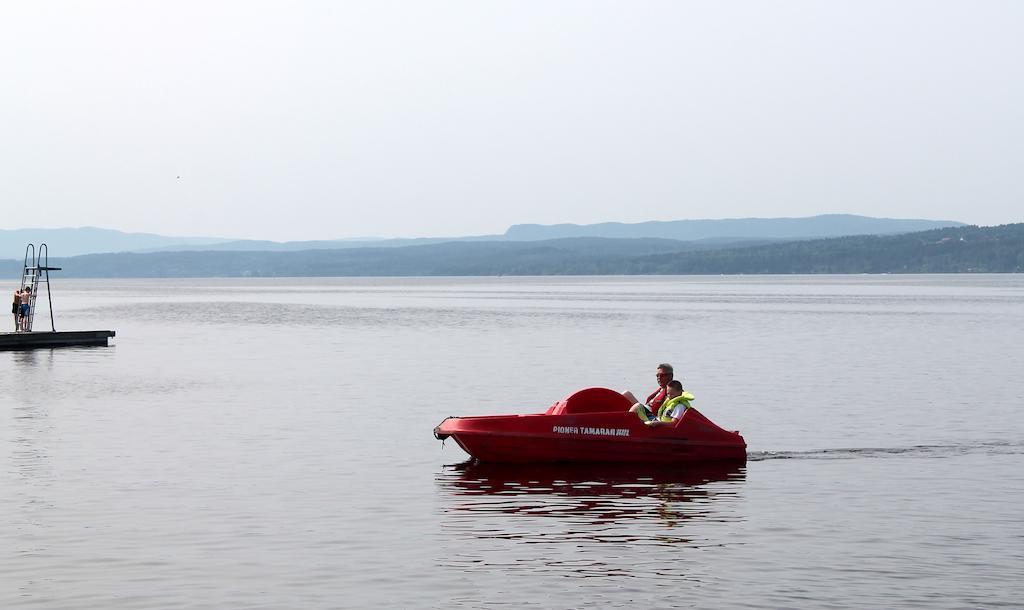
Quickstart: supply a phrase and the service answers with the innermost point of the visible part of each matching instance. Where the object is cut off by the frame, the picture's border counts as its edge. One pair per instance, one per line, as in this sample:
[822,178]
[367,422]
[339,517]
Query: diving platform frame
[36,271]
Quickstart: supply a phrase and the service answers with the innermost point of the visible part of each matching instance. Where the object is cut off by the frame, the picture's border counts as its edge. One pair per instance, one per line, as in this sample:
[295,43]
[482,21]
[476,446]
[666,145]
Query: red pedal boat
[592,425]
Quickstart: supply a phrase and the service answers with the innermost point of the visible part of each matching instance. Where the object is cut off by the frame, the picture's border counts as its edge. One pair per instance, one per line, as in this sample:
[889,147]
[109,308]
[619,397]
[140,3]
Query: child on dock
[16,310]
[26,299]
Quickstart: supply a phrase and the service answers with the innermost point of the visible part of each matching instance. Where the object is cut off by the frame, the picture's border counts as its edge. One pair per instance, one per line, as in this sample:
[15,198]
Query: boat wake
[938,451]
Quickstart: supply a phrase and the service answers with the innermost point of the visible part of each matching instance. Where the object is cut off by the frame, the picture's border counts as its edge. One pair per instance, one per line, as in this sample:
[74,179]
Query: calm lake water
[267,444]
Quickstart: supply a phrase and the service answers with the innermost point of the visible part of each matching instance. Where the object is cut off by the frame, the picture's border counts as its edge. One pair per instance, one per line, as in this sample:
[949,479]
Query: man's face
[663,377]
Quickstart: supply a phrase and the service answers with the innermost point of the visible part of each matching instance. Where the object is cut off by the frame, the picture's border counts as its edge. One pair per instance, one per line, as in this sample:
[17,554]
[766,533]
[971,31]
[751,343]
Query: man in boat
[664,374]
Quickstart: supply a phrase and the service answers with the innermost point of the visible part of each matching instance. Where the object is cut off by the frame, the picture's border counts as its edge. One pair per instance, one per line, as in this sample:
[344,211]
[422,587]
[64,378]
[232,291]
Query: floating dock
[36,272]
[44,339]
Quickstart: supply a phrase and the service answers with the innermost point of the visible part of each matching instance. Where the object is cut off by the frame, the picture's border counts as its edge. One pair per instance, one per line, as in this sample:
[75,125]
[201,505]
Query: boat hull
[617,436]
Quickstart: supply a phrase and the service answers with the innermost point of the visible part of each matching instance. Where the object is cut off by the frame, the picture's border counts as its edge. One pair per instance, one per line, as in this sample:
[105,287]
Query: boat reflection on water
[600,502]
[472,477]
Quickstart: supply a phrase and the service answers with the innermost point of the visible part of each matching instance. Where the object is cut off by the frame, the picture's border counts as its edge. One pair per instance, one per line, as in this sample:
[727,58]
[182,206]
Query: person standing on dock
[16,310]
[26,298]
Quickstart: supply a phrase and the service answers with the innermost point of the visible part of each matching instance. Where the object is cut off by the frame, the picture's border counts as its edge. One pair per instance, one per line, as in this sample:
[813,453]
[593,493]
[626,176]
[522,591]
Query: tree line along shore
[962,249]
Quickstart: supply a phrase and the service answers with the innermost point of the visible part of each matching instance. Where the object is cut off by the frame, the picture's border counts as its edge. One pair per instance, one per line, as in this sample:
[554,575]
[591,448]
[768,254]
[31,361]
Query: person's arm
[678,411]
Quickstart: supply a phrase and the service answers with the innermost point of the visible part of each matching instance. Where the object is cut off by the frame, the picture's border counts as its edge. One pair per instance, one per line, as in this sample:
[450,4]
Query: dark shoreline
[968,249]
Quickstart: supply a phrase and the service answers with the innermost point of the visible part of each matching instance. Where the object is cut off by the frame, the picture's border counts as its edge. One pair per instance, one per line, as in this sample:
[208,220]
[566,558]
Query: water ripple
[937,451]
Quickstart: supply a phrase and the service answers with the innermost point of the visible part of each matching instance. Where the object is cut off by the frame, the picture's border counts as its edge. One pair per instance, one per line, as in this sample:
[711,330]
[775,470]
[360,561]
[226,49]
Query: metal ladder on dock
[31,276]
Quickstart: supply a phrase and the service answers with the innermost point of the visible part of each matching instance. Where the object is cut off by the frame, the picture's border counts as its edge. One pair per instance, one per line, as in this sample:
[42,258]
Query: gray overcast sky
[312,120]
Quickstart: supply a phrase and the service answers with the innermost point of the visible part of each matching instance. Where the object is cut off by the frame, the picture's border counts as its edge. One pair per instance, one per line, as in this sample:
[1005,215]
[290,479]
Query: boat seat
[591,400]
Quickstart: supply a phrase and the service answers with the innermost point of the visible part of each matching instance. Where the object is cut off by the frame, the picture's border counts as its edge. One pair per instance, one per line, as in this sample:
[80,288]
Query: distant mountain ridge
[91,240]
[966,249]
[813,227]
[724,232]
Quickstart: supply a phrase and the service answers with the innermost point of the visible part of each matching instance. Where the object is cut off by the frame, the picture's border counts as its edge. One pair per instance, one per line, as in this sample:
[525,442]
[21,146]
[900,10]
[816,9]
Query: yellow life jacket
[664,413]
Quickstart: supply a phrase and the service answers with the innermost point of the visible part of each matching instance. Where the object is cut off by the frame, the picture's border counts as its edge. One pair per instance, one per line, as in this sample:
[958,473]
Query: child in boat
[648,411]
[677,401]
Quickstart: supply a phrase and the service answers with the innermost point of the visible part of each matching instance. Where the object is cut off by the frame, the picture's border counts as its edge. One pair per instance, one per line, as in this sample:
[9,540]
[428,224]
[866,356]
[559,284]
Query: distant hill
[89,240]
[825,225]
[724,232]
[965,249]
[452,258]
[949,250]
[252,245]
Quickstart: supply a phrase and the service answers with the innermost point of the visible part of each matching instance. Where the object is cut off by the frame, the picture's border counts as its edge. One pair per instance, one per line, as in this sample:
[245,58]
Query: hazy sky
[311,120]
